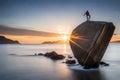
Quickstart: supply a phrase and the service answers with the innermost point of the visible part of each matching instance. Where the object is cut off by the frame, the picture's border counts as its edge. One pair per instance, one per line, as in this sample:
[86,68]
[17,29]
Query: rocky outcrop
[89,41]
[53,55]
[4,40]
[69,61]
[104,63]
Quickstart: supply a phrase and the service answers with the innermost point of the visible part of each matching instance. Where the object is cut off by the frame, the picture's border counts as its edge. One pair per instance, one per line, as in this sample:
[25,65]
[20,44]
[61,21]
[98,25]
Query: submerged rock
[89,41]
[104,63]
[40,54]
[68,61]
[53,55]
[35,54]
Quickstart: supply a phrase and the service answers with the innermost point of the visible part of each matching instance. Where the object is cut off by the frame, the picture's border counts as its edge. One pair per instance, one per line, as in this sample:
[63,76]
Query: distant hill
[4,40]
[54,42]
[116,41]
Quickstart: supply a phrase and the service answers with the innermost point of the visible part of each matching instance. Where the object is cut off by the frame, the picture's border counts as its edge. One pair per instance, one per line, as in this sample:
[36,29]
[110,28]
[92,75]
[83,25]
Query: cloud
[5,30]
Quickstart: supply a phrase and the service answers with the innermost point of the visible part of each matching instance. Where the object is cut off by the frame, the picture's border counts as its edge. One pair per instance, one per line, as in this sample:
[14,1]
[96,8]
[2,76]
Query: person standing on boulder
[87,14]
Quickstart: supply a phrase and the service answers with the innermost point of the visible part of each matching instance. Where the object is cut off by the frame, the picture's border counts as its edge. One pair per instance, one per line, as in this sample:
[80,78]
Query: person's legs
[87,18]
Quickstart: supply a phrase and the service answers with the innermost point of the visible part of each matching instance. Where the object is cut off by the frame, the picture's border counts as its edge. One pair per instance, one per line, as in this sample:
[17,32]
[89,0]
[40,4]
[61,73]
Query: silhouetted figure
[87,14]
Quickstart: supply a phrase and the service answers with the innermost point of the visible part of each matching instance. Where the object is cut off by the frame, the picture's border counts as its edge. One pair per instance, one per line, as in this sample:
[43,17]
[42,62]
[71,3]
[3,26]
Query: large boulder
[89,41]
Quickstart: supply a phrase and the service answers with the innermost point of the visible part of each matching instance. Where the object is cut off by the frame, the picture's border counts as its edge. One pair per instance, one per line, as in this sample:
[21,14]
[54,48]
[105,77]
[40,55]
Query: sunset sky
[54,16]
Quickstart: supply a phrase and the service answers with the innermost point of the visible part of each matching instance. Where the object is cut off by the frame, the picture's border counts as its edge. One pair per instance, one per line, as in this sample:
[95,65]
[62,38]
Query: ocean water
[21,66]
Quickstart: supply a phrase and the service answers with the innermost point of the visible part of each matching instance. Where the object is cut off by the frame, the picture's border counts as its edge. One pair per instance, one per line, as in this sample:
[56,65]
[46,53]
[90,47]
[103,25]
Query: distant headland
[54,42]
[4,40]
[118,41]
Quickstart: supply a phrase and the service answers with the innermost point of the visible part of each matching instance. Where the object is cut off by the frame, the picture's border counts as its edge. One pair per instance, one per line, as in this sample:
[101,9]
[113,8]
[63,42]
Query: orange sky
[32,39]
[116,38]
[38,39]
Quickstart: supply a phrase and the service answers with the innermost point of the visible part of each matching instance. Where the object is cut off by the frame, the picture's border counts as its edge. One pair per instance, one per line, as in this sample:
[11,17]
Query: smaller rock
[68,61]
[104,63]
[59,57]
[40,54]
[53,55]
[35,54]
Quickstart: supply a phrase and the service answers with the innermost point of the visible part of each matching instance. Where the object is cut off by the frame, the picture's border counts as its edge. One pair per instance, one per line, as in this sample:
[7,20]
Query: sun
[65,38]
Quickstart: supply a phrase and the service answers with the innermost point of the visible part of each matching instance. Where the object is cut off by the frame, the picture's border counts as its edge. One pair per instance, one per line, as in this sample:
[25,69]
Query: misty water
[21,66]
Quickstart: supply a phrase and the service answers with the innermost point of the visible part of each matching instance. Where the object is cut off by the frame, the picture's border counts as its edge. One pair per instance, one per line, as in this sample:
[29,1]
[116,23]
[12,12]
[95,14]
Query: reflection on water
[65,48]
[41,68]
[78,73]
[84,75]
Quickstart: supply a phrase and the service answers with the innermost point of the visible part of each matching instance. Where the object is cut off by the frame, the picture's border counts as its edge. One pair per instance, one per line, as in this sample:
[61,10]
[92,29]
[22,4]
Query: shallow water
[20,67]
